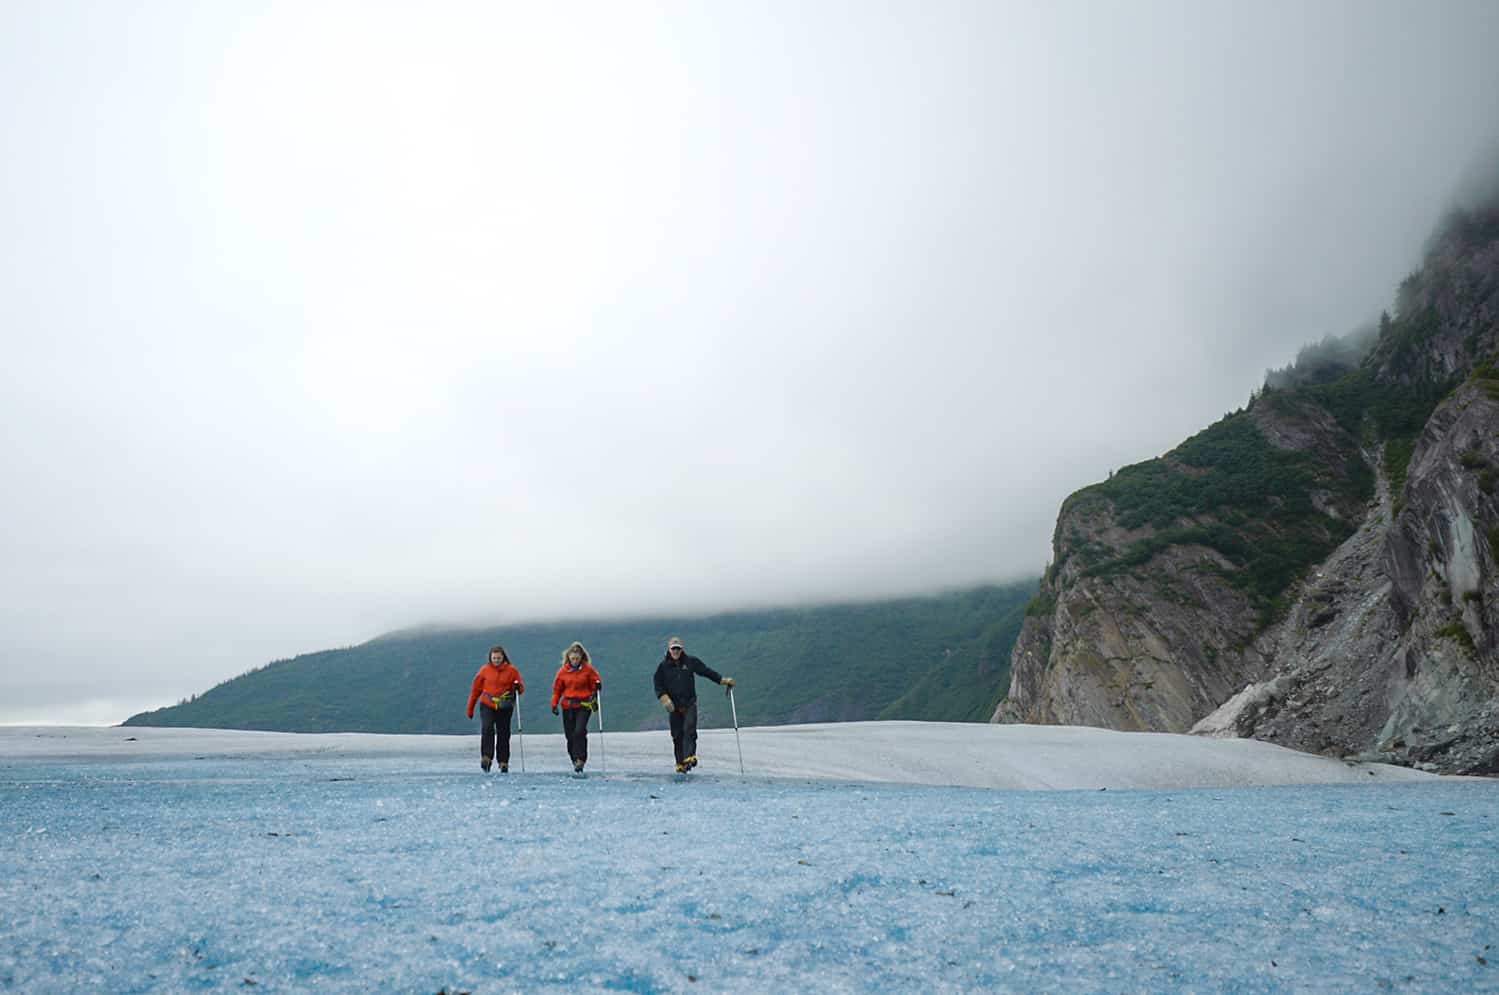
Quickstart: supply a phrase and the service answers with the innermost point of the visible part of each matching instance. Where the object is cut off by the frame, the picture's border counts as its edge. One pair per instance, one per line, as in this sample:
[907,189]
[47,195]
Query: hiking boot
[485,762]
[504,768]
[690,762]
[577,766]
[681,768]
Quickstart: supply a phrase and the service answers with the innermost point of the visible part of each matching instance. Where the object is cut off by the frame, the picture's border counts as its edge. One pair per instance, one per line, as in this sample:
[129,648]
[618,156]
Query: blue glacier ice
[335,871]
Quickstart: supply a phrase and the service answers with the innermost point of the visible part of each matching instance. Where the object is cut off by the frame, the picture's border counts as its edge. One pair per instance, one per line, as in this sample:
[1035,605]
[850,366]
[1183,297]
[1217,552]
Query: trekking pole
[603,754]
[520,727]
[735,710]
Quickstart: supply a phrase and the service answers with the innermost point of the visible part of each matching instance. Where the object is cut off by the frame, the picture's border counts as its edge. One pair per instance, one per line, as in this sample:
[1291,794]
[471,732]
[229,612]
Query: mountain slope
[1324,563]
[942,657]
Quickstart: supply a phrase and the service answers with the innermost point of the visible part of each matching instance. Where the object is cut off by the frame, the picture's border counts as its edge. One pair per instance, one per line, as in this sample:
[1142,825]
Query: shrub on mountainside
[1372,410]
[1397,459]
[1325,361]
[1224,468]
[1226,488]
[1459,634]
[1229,490]
[1486,376]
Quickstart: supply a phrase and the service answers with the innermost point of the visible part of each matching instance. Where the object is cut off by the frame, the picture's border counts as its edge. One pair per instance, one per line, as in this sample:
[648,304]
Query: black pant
[575,728]
[684,731]
[494,731]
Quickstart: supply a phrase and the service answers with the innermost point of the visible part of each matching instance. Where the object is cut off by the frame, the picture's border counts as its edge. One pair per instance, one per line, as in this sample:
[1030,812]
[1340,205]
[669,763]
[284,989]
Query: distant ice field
[192,860]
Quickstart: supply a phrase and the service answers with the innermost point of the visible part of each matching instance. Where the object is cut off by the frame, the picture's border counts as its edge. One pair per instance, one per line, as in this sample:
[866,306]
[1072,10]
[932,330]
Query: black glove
[554,709]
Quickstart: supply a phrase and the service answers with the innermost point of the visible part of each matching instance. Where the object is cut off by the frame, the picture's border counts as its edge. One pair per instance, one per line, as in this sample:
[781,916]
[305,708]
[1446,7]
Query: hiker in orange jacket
[576,689]
[497,686]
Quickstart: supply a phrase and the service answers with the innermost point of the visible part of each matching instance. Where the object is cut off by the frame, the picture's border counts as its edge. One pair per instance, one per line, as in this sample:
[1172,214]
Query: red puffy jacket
[493,682]
[572,687]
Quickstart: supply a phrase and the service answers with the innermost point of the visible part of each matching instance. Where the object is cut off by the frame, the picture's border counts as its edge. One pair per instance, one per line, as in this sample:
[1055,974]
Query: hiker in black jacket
[676,689]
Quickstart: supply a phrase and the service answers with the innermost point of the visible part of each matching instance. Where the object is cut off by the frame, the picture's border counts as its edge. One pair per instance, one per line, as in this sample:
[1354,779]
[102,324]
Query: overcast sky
[323,319]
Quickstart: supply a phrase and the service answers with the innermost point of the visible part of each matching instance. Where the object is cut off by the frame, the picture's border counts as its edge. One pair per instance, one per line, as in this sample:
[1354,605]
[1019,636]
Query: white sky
[325,319]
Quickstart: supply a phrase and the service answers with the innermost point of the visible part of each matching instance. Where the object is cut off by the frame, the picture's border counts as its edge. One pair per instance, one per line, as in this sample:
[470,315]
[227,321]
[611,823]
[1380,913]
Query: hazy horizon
[327,322]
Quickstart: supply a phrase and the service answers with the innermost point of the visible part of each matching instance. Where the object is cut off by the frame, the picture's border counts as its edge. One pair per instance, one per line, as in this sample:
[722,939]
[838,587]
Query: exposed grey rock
[1237,717]
[1143,651]
[1389,649]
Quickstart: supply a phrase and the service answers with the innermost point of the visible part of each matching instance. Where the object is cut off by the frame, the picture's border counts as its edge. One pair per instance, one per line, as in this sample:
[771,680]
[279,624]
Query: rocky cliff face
[1320,570]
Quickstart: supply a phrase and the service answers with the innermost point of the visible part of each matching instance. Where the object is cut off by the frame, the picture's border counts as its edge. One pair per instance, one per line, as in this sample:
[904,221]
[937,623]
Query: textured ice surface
[391,870]
[948,753]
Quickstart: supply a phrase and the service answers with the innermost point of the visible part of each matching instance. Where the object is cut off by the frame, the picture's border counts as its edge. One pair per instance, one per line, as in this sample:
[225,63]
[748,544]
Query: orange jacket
[572,686]
[493,682]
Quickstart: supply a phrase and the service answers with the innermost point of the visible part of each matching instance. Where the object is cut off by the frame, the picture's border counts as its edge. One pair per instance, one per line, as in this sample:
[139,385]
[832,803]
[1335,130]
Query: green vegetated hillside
[1272,512]
[944,657]
[1228,489]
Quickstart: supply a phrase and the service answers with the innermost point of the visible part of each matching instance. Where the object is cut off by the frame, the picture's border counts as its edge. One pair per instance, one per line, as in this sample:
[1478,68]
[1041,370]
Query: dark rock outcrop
[1353,609]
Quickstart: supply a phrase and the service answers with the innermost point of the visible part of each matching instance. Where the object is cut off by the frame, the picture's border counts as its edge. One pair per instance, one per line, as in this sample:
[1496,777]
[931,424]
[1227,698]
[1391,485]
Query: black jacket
[676,678]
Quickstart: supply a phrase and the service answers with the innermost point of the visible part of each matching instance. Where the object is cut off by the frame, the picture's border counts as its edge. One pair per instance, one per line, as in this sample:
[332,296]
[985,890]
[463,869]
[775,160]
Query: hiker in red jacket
[576,690]
[496,687]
